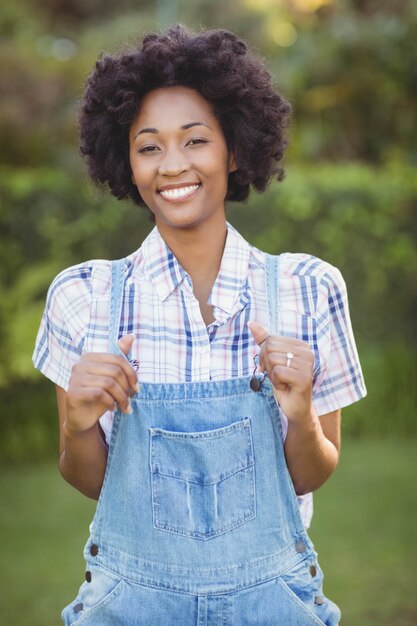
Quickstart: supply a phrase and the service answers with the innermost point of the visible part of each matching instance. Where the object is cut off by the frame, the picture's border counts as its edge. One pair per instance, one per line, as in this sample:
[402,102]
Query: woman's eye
[193,142]
[146,149]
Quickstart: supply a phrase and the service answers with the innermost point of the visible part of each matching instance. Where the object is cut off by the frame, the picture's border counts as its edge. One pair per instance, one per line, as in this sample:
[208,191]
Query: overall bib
[197,523]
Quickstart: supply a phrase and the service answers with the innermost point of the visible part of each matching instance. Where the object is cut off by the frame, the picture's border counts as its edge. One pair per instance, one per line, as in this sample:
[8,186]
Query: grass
[363,528]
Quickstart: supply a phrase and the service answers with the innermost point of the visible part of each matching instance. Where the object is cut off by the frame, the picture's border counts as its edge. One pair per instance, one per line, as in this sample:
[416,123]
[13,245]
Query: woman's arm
[83,454]
[312,443]
[312,450]
[98,382]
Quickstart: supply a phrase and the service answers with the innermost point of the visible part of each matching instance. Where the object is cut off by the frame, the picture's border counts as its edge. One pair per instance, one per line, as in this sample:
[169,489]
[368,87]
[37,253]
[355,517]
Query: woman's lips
[178,194]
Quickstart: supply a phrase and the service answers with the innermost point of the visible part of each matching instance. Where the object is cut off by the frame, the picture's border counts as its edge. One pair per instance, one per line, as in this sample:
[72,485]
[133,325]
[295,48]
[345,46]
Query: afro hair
[218,65]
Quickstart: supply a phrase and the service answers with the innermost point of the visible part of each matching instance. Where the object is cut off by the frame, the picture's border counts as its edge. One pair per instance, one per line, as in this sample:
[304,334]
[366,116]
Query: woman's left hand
[291,377]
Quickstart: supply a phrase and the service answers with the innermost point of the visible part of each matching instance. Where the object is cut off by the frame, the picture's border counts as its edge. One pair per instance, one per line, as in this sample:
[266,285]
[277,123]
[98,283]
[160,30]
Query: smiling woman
[215,64]
[180,159]
[204,478]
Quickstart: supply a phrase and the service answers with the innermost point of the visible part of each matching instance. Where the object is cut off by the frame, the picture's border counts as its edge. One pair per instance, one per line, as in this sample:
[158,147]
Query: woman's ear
[232,162]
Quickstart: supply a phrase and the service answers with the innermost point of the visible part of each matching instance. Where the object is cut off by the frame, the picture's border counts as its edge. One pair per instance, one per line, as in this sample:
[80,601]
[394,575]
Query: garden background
[349,68]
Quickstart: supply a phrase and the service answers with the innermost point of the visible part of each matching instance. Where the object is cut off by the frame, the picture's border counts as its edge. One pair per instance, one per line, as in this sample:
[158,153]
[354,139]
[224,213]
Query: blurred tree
[76,13]
[350,70]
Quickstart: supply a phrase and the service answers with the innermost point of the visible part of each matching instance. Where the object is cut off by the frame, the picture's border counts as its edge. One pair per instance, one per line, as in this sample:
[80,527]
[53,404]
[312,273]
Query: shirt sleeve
[61,336]
[340,381]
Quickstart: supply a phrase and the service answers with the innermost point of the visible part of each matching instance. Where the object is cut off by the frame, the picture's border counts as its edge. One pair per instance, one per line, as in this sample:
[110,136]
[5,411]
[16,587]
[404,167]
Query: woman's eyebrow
[146,130]
[191,124]
[183,127]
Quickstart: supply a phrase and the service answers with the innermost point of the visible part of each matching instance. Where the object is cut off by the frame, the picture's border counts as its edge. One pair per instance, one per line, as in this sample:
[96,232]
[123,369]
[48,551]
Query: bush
[356,217]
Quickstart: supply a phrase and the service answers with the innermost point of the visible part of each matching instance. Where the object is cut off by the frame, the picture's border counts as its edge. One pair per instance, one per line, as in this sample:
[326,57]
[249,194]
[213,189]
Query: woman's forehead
[177,105]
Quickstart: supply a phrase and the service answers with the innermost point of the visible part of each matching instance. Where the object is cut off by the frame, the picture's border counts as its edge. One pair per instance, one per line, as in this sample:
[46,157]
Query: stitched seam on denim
[202,397]
[250,512]
[161,520]
[272,289]
[116,296]
[173,589]
[110,456]
[208,535]
[221,479]
[245,448]
[143,400]
[112,595]
[299,603]
[216,433]
[179,569]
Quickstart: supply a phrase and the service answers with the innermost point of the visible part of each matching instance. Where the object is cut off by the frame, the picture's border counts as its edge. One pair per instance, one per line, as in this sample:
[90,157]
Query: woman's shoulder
[89,277]
[301,264]
[93,277]
[309,284]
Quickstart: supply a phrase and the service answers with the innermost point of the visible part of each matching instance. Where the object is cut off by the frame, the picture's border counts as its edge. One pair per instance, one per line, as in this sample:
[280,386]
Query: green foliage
[359,218]
[29,422]
[50,219]
[349,69]
[389,410]
[356,217]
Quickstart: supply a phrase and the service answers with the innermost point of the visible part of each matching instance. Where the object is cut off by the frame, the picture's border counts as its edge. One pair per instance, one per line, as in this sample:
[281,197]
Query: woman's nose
[173,165]
[173,169]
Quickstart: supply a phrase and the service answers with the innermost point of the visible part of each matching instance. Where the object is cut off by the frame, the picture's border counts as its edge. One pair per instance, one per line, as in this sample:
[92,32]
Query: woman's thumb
[259,332]
[125,343]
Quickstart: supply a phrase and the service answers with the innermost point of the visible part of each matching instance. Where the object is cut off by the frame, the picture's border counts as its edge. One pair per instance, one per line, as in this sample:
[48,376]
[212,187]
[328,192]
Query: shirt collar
[166,273]
[233,274]
[161,265]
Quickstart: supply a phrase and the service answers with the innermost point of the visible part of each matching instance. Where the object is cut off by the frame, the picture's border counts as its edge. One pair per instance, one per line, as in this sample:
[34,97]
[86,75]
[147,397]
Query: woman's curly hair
[218,65]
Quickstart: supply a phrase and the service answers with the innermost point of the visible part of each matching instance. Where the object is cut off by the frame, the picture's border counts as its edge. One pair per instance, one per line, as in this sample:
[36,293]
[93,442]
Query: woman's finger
[85,405]
[283,358]
[259,332]
[283,377]
[286,344]
[107,383]
[112,359]
[111,370]
[125,343]
[301,355]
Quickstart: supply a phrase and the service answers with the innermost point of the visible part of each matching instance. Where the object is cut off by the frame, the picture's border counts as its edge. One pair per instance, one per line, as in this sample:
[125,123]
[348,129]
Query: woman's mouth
[177,194]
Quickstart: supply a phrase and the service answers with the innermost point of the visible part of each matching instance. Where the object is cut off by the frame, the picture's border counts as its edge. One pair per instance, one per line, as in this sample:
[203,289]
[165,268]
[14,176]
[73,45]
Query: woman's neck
[199,250]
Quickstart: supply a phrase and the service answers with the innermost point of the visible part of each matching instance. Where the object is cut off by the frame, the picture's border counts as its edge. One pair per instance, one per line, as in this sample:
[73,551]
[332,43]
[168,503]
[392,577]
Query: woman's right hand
[99,382]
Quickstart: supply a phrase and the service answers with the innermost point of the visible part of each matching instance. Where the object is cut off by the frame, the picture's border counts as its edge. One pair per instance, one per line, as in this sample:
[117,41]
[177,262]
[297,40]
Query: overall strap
[272,291]
[116,302]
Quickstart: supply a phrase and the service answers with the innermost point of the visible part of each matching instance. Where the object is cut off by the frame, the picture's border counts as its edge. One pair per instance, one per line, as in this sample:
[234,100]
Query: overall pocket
[303,585]
[93,597]
[203,483]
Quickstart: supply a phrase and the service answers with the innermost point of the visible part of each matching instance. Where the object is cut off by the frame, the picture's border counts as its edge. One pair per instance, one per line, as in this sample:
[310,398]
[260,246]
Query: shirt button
[319,600]
[313,570]
[88,576]
[94,549]
[300,546]
[78,607]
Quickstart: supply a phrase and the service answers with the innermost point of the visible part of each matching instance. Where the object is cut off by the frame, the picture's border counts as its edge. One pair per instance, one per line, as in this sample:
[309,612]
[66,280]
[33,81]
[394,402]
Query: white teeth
[180,192]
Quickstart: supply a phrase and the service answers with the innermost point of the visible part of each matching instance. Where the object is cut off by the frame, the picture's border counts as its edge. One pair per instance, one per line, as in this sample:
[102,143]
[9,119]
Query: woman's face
[179,158]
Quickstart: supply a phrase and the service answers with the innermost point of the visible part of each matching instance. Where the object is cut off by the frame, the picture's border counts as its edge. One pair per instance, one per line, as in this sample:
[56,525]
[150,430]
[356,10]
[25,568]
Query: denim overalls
[197,523]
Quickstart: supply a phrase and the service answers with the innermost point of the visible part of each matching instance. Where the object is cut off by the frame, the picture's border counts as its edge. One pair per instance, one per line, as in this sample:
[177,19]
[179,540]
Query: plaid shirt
[172,342]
